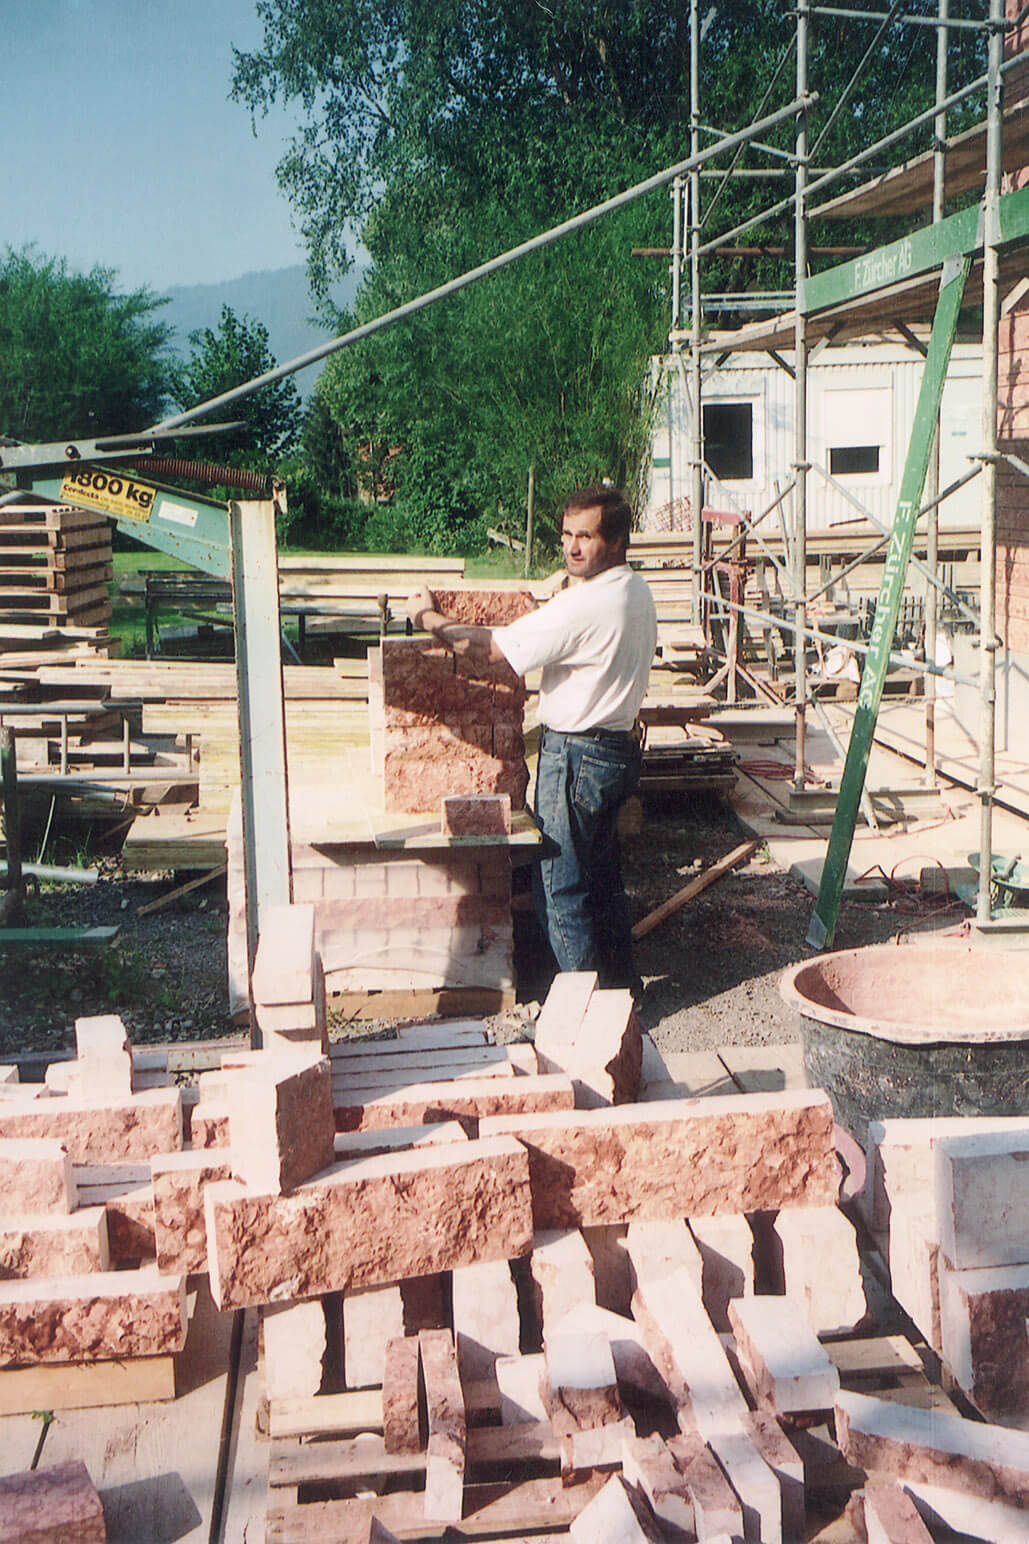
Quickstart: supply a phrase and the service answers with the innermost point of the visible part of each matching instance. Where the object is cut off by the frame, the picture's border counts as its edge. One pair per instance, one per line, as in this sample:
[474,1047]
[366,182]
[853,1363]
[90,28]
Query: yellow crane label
[120,494]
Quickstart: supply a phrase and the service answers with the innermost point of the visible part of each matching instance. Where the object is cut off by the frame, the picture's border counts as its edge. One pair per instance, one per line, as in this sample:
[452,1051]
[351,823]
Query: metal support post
[988,599]
[262,717]
[12,817]
[933,482]
[800,418]
[696,309]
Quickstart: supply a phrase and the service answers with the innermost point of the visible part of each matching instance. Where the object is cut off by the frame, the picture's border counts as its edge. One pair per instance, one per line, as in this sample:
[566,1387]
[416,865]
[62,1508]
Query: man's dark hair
[615,512]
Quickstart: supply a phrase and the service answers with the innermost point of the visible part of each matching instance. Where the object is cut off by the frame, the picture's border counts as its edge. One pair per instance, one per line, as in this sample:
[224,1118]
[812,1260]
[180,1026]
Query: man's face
[586,551]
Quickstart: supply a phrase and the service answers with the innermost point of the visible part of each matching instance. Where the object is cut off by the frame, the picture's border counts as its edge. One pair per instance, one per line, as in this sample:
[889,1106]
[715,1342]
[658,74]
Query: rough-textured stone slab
[982,1198]
[69,1245]
[634,1367]
[444,1406]
[390,1139]
[486,1321]
[934,1448]
[294,1349]
[107,1316]
[688,1354]
[786,1366]
[35,1176]
[98,1132]
[370,1221]
[581,1388]
[985,1337]
[726,1247]
[400,1422]
[891,1517]
[58,1505]
[656,1249]
[520,1379]
[716,1507]
[691,1157]
[594,1450]
[900,1166]
[618,1515]
[281,1125]
[372,1318]
[914,1256]
[786,1464]
[209,1124]
[180,1230]
[563,1012]
[606,1059]
[753,1481]
[130,1225]
[647,1463]
[821,1268]
[468,1099]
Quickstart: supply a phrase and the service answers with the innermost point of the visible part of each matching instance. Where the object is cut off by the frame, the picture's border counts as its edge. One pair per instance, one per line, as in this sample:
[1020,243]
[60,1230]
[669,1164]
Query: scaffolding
[966,258]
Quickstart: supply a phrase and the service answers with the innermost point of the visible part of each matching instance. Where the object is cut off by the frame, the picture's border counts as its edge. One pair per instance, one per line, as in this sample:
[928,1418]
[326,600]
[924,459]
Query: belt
[618,736]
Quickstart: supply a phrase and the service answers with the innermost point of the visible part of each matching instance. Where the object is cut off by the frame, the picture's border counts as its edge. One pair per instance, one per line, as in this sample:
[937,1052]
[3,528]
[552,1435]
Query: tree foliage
[235,352]
[445,131]
[79,359]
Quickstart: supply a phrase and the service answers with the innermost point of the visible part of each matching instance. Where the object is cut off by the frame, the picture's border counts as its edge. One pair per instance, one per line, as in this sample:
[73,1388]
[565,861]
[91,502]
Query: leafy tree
[238,351]
[79,359]
[445,131]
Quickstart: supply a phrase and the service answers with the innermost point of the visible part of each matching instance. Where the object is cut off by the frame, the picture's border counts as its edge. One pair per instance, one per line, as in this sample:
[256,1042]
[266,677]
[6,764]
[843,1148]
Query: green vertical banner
[898,555]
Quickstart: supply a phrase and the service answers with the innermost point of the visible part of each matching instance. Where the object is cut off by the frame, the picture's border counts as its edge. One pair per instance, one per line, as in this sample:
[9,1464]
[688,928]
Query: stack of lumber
[55,563]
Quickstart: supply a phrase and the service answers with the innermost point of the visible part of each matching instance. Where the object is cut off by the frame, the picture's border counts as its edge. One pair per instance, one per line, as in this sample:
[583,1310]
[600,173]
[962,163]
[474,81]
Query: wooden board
[82,1385]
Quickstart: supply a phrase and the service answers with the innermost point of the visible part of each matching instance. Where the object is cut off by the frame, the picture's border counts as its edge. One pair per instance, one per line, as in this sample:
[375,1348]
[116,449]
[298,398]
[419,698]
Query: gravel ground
[711,969]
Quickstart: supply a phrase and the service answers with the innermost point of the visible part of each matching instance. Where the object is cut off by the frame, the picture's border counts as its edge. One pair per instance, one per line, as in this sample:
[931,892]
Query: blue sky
[122,148]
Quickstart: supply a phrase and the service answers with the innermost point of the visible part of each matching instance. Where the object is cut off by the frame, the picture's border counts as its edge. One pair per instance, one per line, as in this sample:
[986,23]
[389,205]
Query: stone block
[179,1181]
[678,1158]
[982,1198]
[657,1249]
[35,1177]
[594,1449]
[581,1388]
[647,1464]
[445,1419]
[209,1124]
[612,1273]
[635,1370]
[69,1245]
[688,1354]
[606,1056]
[294,1349]
[753,1481]
[281,1124]
[468,1099]
[934,1447]
[985,1337]
[562,1274]
[56,1505]
[488,816]
[130,1225]
[486,1322]
[900,1167]
[97,1131]
[716,1507]
[616,1515]
[786,1367]
[726,1247]
[484,608]
[891,1517]
[370,1221]
[372,1317]
[520,1379]
[107,1316]
[104,1058]
[914,1258]
[821,1266]
[786,1464]
[563,1012]
[389,1139]
[284,966]
[400,1418]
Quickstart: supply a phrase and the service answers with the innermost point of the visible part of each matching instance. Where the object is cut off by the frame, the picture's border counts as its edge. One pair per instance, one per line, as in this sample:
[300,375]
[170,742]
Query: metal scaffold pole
[697,432]
[988,643]
[933,480]
[800,460]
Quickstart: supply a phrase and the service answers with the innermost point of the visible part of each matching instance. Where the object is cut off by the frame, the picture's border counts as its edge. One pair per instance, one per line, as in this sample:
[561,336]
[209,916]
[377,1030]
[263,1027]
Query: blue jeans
[581,782]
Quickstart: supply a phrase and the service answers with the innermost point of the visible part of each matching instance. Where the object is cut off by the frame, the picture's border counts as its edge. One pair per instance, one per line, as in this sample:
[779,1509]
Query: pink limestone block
[821,1266]
[562,1274]
[581,1388]
[891,1517]
[70,1245]
[617,1515]
[468,1099]
[104,1065]
[688,1354]
[294,1341]
[984,1331]
[284,967]
[785,1364]
[180,1230]
[445,1416]
[561,1016]
[370,1221]
[678,1158]
[786,1464]
[400,1419]
[716,1507]
[281,1124]
[486,1321]
[726,1247]
[982,1198]
[98,1131]
[35,1177]
[753,1481]
[372,1318]
[109,1315]
[489,815]
[647,1464]
[56,1505]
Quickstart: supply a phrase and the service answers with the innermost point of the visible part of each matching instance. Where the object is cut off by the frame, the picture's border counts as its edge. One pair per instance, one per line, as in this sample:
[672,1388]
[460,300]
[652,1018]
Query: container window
[729,440]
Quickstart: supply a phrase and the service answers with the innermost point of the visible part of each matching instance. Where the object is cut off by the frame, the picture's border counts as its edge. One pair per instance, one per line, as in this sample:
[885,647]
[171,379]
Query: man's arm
[476,645]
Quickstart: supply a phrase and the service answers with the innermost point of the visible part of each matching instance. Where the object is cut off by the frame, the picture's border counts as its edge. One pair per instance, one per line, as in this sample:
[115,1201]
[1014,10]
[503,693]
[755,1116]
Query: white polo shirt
[595,642]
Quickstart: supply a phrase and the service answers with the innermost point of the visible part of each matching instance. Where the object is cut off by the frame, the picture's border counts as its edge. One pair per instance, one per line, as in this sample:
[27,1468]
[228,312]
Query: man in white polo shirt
[595,642]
